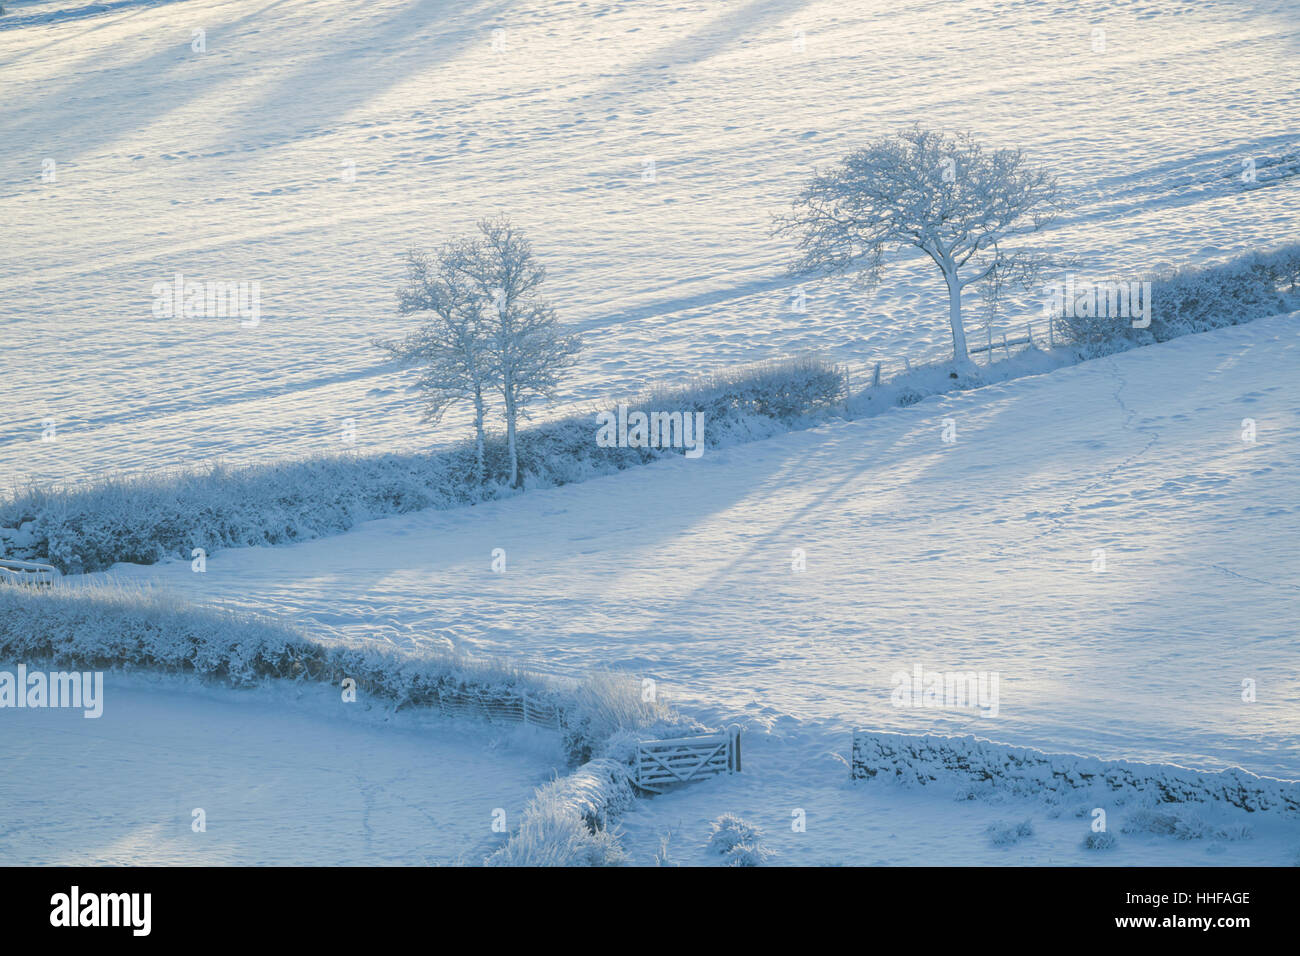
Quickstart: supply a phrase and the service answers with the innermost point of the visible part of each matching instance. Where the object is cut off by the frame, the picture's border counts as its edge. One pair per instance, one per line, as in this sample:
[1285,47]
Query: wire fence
[985,346]
[502,707]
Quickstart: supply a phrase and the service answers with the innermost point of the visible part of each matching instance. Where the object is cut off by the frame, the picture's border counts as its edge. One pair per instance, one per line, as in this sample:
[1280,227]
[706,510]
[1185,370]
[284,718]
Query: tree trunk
[480,439]
[959,353]
[508,393]
[510,441]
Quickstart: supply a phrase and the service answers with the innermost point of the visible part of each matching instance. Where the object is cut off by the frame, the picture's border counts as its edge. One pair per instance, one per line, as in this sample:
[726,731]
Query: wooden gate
[661,764]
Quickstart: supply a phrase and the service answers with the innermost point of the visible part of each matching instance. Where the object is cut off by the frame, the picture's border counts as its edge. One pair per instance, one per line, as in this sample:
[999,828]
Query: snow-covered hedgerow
[962,761]
[111,627]
[147,519]
[1195,299]
[1192,300]
[567,821]
[607,713]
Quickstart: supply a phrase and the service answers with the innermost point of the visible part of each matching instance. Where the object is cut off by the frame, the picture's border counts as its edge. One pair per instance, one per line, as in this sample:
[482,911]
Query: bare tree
[528,348]
[943,194]
[452,345]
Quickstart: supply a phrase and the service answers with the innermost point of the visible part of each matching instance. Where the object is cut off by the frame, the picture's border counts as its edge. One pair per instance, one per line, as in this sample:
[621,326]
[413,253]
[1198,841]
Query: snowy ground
[972,556]
[285,780]
[235,164]
[229,165]
[870,823]
[284,777]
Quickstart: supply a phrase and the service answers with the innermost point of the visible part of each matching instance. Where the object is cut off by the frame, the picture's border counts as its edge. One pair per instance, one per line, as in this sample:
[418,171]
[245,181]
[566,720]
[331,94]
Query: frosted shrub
[784,389]
[662,856]
[747,854]
[613,709]
[1233,831]
[1100,841]
[976,790]
[1009,834]
[729,831]
[1282,265]
[737,842]
[1196,300]
[1182,823]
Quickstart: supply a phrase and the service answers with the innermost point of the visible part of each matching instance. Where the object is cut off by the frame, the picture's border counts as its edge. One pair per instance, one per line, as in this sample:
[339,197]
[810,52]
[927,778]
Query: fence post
[1051,342]
[875,379]
[1006,349]
[735,749]
[1029,332]
[989,331]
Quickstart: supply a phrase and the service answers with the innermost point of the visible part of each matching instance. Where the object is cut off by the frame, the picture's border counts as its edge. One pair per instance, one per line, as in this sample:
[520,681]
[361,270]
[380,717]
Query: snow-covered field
[970,556]
[233,165]
[884,824]
[1100,537]
[289,779]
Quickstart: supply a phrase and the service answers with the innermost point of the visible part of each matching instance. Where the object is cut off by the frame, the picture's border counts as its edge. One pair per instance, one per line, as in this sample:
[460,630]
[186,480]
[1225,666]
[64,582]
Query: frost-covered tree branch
[451,346]
[488,330]
[529,349]
[943,194]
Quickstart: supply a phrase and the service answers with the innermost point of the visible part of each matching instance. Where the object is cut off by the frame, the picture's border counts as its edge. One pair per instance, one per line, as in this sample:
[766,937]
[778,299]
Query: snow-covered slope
[235,164]
[645,146]
[970,556]
[284,776]
[809,814]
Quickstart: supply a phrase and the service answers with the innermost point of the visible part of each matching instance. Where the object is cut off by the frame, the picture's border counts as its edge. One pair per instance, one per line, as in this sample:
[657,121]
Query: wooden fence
[662,764]
[1005,343]
[505,707]
[879,372]
[27,572]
